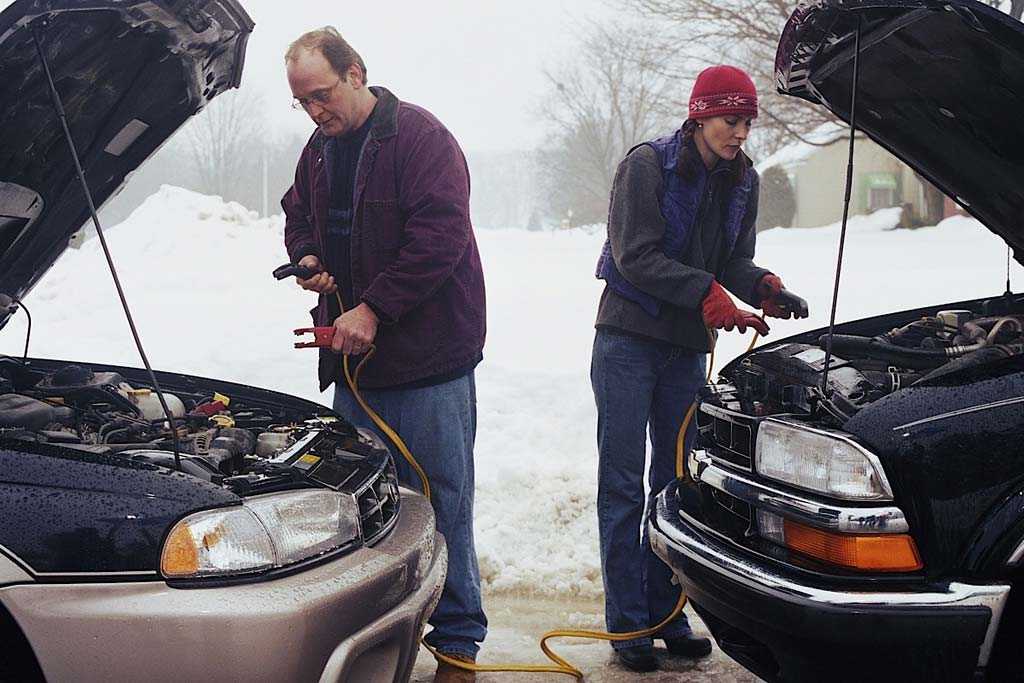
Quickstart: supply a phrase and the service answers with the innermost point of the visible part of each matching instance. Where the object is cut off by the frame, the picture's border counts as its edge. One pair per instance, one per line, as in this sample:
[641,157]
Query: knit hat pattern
[722,91]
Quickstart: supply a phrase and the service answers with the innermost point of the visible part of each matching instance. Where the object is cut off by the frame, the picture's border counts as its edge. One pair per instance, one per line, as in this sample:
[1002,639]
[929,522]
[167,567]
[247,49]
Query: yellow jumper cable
[560,665]
[353,385]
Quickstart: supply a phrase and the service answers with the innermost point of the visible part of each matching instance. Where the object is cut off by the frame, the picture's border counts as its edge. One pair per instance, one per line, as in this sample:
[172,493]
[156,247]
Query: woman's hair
[689,158]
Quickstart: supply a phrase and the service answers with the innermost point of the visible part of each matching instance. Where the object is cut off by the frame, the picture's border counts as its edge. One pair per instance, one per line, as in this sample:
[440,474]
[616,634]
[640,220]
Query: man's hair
[335,49]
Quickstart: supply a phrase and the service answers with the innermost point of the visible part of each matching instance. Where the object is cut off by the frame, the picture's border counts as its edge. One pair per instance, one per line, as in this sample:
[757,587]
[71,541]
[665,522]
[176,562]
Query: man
[380,211]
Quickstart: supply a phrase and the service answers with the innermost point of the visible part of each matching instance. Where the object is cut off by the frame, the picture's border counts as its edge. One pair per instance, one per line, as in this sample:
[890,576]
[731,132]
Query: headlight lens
[818,461]
[264,533]
[217,543]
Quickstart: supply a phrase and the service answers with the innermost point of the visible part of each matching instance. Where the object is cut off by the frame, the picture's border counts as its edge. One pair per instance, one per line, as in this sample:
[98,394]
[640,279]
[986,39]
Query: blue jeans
[638,384]
[438,424]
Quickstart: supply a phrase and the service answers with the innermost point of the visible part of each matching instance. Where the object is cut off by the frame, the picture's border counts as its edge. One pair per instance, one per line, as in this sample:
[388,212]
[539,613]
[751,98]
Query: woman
[680,228]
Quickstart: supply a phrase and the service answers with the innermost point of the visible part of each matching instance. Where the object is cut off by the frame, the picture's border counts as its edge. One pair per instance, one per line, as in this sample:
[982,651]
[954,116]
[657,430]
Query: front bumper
[782,623]
[358,617]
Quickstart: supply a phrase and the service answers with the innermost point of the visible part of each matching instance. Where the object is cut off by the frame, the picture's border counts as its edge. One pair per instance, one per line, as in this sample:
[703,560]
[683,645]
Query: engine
[788,378]
[218,438]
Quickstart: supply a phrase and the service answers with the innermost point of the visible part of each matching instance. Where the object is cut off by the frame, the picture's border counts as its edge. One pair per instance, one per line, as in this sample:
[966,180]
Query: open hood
[941,86]
[129,73]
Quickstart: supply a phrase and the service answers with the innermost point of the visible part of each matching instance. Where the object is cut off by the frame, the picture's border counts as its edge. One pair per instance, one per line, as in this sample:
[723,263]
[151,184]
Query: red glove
[720,312]
[769,285]
[767,288]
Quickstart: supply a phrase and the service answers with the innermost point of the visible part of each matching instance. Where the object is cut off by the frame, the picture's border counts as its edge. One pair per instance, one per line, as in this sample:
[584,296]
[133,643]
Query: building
[816,170]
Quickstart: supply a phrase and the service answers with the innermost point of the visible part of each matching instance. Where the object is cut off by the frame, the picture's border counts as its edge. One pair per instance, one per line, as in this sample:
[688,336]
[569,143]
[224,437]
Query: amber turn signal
[868,552]
[180,555]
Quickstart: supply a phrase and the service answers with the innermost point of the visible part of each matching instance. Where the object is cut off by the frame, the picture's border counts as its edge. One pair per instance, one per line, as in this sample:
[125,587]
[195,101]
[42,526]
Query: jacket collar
[384,119]
[385,114]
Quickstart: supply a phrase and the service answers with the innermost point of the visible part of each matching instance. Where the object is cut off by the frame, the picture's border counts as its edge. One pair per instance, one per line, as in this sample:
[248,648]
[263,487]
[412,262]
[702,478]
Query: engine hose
[560,665]
[873,347]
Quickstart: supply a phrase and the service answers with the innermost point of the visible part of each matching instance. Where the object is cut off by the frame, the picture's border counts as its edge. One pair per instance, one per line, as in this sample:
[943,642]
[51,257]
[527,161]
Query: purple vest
[680,202]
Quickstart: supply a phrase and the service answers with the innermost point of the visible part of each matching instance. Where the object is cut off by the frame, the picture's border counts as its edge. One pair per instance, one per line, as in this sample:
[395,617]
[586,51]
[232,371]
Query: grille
[733,505]
[727,437]
[378,504]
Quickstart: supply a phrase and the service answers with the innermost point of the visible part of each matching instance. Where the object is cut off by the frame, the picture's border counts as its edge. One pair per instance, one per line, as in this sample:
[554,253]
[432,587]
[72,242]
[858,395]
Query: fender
[996,548]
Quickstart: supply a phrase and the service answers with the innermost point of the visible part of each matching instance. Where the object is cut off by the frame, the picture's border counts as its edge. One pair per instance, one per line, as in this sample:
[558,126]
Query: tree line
[628,81]
[631,80]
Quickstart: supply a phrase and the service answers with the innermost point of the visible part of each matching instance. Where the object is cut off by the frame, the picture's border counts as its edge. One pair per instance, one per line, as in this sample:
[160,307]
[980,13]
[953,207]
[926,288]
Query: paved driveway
[516,624]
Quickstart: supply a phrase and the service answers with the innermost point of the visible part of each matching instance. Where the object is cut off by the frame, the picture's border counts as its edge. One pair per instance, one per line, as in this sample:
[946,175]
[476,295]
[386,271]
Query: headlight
[263,533]
[819,461]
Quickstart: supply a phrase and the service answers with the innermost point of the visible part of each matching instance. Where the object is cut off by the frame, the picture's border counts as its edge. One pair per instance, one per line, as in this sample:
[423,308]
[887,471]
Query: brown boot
[447,673]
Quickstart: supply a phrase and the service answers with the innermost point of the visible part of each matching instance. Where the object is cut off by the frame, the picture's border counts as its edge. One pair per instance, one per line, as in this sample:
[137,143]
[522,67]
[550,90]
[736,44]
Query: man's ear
[354,76]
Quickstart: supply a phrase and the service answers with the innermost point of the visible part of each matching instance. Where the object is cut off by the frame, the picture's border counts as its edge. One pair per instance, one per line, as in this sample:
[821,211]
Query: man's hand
[355,330]
[322,282]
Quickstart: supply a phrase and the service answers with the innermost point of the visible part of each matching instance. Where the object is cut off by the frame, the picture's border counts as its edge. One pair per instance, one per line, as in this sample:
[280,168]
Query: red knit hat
[723,90]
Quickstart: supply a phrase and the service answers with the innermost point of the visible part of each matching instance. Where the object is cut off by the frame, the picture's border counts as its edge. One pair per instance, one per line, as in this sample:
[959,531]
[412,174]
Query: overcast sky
[476,65]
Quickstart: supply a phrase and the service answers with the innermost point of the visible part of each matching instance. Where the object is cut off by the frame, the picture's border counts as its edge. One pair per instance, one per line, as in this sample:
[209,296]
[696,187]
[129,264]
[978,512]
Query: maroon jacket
[414,257]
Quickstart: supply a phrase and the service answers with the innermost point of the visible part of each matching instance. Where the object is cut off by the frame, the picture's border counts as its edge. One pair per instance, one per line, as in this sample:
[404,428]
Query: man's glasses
[320,97]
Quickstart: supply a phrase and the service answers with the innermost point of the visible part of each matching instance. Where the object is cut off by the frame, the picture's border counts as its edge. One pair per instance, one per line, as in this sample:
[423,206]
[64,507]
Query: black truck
[867,521]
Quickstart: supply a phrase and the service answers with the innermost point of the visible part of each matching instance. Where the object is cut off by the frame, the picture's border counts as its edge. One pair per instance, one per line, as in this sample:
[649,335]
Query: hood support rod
[846,204]
[58,107]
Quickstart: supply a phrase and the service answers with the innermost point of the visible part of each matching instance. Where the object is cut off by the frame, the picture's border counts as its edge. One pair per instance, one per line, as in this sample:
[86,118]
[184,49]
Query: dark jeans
[438,424]
[638,384]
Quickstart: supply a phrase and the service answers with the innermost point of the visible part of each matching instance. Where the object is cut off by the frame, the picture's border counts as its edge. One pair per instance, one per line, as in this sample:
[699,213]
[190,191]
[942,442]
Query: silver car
[158,526]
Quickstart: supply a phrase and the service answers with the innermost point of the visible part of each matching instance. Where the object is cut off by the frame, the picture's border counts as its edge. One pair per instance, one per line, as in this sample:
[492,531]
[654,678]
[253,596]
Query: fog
[477,66]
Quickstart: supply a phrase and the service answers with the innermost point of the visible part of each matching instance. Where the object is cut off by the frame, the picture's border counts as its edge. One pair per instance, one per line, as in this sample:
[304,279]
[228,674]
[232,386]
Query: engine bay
[244,444]
[945,347]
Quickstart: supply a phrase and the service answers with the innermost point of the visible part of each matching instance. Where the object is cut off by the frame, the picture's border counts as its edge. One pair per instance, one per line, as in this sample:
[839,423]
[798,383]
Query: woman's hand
[769,289]
[719,312]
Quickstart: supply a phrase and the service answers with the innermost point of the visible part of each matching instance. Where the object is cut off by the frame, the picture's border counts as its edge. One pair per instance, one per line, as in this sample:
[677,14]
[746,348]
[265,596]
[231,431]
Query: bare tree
[225,141]
[700,33]
[609,99]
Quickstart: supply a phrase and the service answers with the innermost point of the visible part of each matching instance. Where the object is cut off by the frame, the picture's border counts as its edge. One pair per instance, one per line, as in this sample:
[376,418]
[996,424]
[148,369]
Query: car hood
[130,73]
[941,86]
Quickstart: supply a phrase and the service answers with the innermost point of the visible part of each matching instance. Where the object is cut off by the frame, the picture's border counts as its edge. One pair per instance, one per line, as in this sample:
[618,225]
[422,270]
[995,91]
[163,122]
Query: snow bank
[197,273]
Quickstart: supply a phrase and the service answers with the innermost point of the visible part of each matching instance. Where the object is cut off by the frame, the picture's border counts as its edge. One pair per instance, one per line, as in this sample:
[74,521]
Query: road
[517,623]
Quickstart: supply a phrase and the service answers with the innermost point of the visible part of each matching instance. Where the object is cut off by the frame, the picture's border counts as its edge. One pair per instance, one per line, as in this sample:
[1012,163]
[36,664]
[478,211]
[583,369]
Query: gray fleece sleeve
[740,275]
[636,229]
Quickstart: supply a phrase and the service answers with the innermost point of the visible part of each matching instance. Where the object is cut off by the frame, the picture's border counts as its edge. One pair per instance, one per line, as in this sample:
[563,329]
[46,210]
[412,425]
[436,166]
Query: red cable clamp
[322,337]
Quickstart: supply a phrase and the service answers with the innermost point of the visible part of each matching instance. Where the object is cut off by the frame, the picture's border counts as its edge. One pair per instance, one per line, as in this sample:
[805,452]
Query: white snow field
[197,273]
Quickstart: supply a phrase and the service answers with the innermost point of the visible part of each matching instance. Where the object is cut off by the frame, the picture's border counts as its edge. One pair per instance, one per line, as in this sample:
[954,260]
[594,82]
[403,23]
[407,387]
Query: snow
[197,274]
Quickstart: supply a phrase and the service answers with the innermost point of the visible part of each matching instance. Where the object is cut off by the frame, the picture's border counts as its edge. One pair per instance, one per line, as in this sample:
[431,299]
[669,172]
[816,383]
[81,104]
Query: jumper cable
[322,338]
